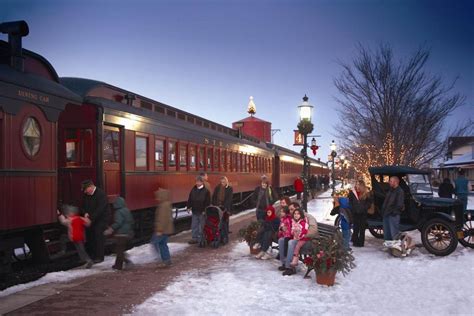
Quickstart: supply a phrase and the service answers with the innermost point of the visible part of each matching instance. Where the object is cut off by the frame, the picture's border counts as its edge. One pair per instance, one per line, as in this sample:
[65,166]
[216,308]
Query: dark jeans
[298,195]
[265,239]
[120,248]
[96,241]
[391,227]
[359,226]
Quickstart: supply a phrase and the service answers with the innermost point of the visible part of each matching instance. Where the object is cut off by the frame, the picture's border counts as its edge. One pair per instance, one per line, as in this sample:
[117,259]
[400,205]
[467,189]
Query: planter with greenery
[249,235]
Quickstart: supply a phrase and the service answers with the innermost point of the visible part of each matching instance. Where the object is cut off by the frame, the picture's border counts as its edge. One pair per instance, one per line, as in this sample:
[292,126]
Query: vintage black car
[441,221]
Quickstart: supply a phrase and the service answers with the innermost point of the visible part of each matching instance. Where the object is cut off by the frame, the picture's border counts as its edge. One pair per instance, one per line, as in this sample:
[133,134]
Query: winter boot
[260,255]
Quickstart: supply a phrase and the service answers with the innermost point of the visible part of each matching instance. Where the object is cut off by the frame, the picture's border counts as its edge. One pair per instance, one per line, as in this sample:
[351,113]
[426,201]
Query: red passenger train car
[54,133]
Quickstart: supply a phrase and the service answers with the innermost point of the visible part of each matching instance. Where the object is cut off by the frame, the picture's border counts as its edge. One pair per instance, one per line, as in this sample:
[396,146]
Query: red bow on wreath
[314,148]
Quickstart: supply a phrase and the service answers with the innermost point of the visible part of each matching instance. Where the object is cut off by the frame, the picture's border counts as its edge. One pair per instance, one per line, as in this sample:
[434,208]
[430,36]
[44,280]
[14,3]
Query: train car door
[112,157]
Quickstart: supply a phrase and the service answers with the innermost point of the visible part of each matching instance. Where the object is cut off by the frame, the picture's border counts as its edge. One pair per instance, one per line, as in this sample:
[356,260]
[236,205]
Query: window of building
[110,144]
[78,147]
[192,156]
[141,152]
[171,154]
[159,153]
[183,156]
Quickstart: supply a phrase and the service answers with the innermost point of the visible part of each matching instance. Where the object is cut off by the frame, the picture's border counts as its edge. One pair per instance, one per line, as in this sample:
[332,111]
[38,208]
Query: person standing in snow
[299,187]
[269,229]
[199,198]
[461,189]
[263,196]
[392,207]
[360,202]
[446,189]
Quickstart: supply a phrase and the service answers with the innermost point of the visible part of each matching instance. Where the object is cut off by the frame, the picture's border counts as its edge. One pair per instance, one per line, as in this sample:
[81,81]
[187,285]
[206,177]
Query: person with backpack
[122,229]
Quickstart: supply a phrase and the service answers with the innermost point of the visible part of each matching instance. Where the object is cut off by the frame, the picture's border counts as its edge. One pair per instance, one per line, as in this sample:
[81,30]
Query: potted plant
[329,257]
[249,235]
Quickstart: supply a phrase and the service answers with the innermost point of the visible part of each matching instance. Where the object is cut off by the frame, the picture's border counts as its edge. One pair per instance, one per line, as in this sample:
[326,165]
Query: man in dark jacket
[263,196]
[95,204]
[122,228]
[446,189]
[199,199]
[392,207]
[313,183]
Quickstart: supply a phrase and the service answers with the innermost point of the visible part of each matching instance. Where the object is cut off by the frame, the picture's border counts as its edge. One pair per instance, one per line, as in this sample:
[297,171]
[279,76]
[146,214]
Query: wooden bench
[325,231]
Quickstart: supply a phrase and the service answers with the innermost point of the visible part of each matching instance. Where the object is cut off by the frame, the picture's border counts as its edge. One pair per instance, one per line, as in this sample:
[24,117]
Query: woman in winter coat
[360,201]
[122,228]
[264,196]
[269,229]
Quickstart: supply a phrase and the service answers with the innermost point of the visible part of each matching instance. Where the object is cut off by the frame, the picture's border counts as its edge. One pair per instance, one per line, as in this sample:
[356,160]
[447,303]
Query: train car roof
[41,88]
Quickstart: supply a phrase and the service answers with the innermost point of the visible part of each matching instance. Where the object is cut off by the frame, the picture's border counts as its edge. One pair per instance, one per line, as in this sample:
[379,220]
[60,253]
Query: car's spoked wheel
[468,230]
[377,232]
[438,237]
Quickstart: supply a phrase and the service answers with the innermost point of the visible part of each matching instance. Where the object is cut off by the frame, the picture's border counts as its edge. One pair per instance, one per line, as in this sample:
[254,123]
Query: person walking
[199,199]
[461,189]
[299,187]
[263,196]
[446,189]
[76,227]
[392,207]
[360,202]
[96,205]
[163,227]
[122,229]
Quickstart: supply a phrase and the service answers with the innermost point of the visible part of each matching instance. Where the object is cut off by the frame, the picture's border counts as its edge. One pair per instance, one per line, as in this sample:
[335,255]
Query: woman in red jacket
[299,187]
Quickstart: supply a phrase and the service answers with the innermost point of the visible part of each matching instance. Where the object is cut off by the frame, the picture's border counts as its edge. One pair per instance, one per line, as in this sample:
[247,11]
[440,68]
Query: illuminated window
[216,159]
[209,158]
[171,154]
[183,156]
[159,153]
[78,147]
[201,158]
[110,144]
[31,136]
[192,156]
[141,152]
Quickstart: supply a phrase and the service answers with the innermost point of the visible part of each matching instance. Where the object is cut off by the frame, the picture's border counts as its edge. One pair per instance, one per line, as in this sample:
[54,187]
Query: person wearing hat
[95,204]
[199,199]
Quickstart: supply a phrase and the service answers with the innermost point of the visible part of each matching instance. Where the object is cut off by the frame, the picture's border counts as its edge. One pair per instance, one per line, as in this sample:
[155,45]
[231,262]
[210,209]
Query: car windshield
[420,184]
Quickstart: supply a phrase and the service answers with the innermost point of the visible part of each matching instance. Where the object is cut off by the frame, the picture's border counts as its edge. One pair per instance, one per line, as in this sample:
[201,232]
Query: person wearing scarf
[269,229]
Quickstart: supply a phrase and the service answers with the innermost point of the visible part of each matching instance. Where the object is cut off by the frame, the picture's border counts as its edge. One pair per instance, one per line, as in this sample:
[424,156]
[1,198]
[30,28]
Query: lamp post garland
[305,127]
[333,155]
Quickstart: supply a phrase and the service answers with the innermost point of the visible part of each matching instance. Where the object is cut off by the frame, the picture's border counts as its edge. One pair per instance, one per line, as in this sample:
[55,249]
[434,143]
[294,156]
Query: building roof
[251,119]
[459,141]
[461,161]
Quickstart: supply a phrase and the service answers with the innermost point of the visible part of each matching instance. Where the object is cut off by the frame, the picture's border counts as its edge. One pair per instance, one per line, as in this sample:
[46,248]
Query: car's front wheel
[438,237]
[376,231]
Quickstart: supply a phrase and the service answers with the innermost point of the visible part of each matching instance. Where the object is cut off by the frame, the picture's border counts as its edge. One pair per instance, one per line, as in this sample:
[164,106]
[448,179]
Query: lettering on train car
[33,96]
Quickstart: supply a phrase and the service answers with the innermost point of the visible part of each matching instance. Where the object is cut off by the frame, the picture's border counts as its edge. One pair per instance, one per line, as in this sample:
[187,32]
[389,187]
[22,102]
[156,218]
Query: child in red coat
[299,229]
[76,226]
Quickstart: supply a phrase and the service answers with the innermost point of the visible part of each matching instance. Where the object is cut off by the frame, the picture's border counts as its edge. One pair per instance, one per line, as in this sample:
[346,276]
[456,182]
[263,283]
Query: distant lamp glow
[305,109]
[343,157]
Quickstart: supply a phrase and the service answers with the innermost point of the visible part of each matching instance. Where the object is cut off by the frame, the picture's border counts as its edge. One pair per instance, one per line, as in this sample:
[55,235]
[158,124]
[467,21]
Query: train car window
[78,147]
[209,159]
[31,133]
[222,166]
[171,154]
[141,152]
[192,156]
[202,157]
[228,159]
[159,154]
[110,144]
[183,156]
[216,159]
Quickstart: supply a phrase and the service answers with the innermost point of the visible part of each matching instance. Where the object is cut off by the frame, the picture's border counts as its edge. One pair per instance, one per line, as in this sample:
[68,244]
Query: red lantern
[314,148]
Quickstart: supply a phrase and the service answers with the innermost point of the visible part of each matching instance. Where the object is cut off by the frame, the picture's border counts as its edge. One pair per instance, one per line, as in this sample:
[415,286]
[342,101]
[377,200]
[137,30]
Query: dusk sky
[208,57]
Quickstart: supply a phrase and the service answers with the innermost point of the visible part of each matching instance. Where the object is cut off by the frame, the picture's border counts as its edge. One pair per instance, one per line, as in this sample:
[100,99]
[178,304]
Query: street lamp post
[305,127]
[333,148]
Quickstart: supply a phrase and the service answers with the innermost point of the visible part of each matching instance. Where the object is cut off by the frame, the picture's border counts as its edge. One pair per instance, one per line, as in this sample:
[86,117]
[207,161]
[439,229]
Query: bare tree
[396,109]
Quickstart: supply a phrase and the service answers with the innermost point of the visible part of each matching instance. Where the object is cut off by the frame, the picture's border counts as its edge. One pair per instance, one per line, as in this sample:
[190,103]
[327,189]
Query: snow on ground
[421,284]
[139,255]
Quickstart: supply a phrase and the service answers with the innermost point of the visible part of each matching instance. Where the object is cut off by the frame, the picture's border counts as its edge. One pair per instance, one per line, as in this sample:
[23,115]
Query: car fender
[439,215]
